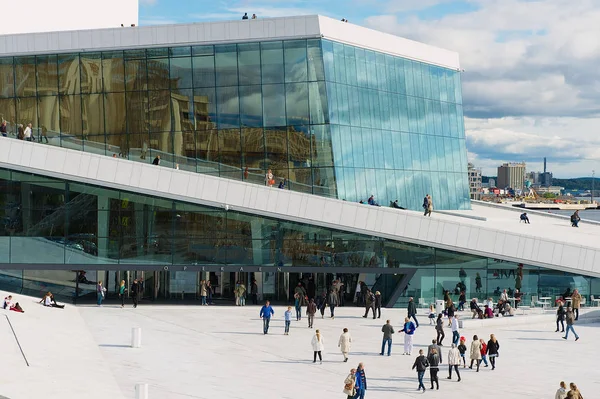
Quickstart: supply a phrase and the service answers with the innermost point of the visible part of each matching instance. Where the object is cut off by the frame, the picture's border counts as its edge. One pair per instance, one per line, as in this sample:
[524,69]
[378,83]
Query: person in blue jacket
[265,313]
[408,330]
[361,382]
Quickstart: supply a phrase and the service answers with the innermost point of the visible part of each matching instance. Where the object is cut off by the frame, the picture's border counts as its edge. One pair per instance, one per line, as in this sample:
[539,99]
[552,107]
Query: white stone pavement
[220,352]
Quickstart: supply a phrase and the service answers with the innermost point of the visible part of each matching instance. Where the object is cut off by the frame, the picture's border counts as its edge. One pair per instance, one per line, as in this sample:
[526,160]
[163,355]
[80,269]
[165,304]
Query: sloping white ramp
[551,244]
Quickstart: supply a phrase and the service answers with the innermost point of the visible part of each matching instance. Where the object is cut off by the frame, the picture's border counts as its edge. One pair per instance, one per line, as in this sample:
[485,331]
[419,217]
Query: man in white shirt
[504,296]
[455,332]
[27,132]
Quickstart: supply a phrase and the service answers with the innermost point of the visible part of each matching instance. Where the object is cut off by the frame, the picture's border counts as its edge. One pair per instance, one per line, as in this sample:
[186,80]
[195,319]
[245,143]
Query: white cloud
[531,85]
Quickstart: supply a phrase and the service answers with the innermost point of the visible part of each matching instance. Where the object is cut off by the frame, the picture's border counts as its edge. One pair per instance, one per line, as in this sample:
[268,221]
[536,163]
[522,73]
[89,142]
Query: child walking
[288,320]
[462,348]
[431,315]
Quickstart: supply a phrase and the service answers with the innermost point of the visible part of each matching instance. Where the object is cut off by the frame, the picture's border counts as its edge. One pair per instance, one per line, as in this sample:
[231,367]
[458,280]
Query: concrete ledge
[546,316]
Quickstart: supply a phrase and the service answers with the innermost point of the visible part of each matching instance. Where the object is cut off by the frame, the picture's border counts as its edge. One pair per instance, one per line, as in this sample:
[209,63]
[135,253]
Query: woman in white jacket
[345,343]
[318,347]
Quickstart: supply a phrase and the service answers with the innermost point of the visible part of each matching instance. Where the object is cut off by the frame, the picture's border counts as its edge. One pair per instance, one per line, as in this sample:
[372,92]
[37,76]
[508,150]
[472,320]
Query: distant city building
[492,182]
[540,179]
[550,189]
[512,175]
[474,182]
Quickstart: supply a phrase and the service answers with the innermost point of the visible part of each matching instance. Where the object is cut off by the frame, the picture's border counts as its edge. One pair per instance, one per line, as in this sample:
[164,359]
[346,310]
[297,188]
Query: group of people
[572,393]
[10,305]
[575,219]
[246,16]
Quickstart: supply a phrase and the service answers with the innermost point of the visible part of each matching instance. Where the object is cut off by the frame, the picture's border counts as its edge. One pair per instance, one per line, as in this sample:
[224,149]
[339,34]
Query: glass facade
[64,225]
[329,119]
[396,128]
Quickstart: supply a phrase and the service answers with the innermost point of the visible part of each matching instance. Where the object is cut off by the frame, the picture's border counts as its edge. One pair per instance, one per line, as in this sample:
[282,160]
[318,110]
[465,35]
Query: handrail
[17,339]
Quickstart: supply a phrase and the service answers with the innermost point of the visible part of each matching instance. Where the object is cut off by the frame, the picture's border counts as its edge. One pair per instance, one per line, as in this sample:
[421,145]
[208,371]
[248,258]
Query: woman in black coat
[439,327]
[560,316]
[492,350]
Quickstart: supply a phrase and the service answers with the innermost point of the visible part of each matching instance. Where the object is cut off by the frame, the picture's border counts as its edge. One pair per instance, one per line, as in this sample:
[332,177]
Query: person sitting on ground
[488,312]
[49,301]
[396,206]
[9,305]
[474,306]
[282,184]
[524,218]
[371,201]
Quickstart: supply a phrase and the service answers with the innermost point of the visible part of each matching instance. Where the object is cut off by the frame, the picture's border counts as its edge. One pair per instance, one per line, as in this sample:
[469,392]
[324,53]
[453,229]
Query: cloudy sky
[532,68]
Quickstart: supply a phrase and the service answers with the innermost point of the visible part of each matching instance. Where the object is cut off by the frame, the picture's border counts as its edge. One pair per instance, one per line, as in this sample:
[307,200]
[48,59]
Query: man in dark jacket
[254,292]
[311,309]
[332,301]
[387,331]
[412,311]
[369,304]
[135,288]
[378,304]
[421,365]
[156,160]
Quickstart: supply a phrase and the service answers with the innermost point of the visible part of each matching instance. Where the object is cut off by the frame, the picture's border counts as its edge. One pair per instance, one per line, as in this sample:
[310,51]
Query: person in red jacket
[484,352]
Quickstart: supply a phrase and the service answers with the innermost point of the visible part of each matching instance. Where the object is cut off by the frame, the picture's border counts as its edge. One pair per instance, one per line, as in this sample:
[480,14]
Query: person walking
[475,353]
[377,304]
[462,349]
[449,310]
[560,316]
[287,315]
[426,204]
[455,331]
[438,350]
[575,219]
[387,331]
[492,350]
[576,301]
[122,293]
[453,362]
[311,309]
[332,301]
[408,330]
[483,352]
[322,304]
[570,322]
[298,306]
[574,392]
[254,292]
[241,292]
[561,393]
[439,328]
[101,292]
[434,363]
[412,310]
[203,293]
[344,343]
[421,365]
[429,207]
[361,382]
[265,314]
[135,287]
[318,347]
[369,304]
[209,291]
[349,384]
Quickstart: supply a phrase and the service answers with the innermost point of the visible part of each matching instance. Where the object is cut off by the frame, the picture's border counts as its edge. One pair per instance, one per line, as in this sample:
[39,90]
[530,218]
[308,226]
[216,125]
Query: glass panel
[180,51]
[182,108]
[205,108]
[159,110]
[230,152]
[137,112]
[207,151]
[251,105]
[272,62]
[158,73]
[274,105]
[228,107]
[296,101]
[136,77]
[70,115]
[92,110]
[8,114]
[322,154]
[317,99]
[91,73]
[25,76]
[181,73]
[295,61]
[253,154]
[157,52]
[114,105]
[47,75]
[327,48]
[113,71]
[69,78]
[204,70]
[249,63]
[7,83]
[226,65]
[49,114]
[315,61]
[27,111]
[276,152]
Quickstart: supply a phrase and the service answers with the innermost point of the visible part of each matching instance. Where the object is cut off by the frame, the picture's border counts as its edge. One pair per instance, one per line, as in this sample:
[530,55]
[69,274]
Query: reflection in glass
[251,106]
[136,77]
[49,117]
[69,81]
[249,63]
[91,72]
[295,61]
[47,75]
[158,74]
[7,84]
[274,105]
[228,107]
[113,71]
[92,113]
[272,62]
[25,76]
[226,65]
